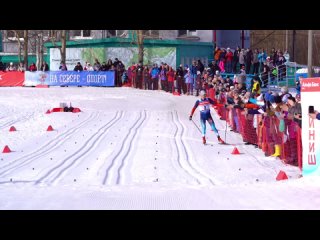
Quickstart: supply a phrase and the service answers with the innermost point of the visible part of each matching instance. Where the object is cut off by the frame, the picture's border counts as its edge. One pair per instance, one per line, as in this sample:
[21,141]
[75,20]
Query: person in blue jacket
[204,106]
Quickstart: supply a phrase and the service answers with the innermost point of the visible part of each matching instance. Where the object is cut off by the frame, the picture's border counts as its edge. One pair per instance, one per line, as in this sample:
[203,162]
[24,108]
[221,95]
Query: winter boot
[204,140]
[277,151]
[220,140]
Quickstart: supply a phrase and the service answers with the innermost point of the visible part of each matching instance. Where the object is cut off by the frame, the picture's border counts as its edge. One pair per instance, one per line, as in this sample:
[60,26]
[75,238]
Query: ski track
[14,182]
[113,168]
[85,149]
[46,148]
[196,170]
[12,122]
[181,149]
[128,151]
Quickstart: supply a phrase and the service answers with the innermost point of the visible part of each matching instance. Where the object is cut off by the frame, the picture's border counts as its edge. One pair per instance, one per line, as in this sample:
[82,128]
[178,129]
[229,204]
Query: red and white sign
[310,85]
[310,91]
[11,79]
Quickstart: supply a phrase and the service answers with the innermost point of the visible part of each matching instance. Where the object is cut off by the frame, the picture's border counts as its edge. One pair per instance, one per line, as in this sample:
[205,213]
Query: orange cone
[50,128]
[282,176]
[6,149]
[235,151]
[12,129]
[48,111]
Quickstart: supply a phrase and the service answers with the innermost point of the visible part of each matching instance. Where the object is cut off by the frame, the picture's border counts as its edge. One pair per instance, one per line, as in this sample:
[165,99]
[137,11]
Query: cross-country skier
[205,115]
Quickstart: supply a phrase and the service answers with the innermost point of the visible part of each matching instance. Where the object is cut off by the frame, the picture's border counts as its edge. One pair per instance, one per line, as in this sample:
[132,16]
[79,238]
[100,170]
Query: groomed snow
[132,149]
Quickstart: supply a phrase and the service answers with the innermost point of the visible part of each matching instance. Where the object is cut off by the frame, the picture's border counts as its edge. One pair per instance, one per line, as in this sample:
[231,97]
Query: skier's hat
[203,92]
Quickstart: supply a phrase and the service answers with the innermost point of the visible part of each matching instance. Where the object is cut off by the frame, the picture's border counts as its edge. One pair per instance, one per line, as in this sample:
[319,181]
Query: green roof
[127,42]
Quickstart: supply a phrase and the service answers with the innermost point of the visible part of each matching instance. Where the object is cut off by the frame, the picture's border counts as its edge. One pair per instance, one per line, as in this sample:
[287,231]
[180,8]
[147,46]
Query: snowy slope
[132,149]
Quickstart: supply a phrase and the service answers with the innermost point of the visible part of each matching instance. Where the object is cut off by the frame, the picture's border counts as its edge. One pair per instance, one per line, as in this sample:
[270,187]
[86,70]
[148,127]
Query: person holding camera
[314,114]
[204,105]
[294,110]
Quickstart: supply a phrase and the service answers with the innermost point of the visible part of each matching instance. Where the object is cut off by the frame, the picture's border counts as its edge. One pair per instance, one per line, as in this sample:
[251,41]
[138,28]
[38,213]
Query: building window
[116,33]
[82,33]
[182,33]
[186,33]
[112,33]
[13,35]
[151,33]
[86,33]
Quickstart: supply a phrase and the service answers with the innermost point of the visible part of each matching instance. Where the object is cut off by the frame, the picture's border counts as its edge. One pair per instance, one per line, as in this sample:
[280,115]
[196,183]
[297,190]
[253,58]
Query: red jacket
[32,68]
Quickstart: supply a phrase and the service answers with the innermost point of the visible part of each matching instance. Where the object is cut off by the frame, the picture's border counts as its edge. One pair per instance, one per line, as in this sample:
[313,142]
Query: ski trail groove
[112,168]
[84,149]
[44,149]
[196,170]
[181,149]
[127,153]
[12,122]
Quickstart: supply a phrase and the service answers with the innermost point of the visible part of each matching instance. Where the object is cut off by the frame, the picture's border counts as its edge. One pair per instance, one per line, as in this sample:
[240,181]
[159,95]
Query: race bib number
[204,107]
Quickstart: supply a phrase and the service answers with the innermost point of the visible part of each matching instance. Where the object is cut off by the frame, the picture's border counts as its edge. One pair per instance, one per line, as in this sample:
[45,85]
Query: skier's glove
[190,118]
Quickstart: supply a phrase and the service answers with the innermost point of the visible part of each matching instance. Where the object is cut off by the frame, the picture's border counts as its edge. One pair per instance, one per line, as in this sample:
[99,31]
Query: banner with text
[71,78]
[11,79]
[310,89]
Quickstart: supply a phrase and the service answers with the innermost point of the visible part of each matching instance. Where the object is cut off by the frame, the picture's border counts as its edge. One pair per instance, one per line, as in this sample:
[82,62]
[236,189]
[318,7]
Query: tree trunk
[25,49]
[63,46]
[19,45]
[140,39]
[39,50]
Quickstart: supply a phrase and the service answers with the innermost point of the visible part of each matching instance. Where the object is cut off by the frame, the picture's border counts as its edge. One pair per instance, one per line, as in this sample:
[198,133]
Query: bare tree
[63,45]
[25,49]
[18,37]
[138,38]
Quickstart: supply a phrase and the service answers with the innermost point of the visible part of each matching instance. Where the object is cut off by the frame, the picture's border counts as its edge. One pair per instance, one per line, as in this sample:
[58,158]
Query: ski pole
[196,125]
[225,132]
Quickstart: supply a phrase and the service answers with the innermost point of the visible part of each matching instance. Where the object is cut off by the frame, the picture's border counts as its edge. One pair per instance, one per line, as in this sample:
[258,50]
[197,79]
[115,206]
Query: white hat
[260,97]
[11,63]
[203,92]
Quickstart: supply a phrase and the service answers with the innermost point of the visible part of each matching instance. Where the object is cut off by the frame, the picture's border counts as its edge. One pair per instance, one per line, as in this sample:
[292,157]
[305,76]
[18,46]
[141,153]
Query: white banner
[127,55]
[310,90]
[73,55]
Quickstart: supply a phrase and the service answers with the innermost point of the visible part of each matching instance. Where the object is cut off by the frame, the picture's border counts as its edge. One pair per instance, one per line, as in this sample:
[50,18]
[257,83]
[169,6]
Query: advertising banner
[36,78]
[310,90]
[84,78]
[128,56]
[11,79]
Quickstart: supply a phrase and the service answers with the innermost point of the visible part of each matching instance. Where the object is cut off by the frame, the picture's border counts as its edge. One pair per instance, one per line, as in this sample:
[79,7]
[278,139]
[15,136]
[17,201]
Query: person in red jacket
[204,106]
[33,67]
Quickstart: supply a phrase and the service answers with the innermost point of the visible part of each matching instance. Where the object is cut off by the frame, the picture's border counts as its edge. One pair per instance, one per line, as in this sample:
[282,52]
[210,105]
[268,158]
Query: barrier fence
[265,133]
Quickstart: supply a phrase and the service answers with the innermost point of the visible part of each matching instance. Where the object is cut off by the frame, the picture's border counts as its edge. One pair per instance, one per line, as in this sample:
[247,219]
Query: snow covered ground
[132,149]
